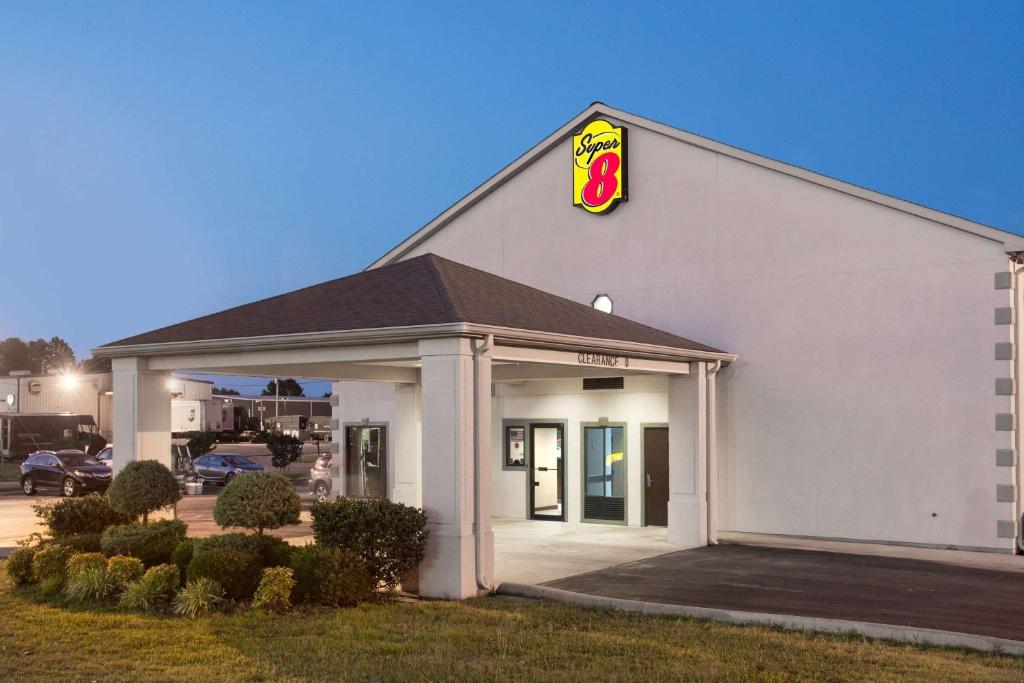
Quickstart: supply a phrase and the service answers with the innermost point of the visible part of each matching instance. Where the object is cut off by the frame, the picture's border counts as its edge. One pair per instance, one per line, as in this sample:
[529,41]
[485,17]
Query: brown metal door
[656,476]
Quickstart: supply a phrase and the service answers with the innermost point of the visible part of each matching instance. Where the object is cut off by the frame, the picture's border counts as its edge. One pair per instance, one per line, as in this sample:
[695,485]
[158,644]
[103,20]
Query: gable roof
[426,290]
[1011,241]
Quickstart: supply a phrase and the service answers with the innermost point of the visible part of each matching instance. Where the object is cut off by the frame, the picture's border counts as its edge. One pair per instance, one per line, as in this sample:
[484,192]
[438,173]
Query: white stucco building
[854,378]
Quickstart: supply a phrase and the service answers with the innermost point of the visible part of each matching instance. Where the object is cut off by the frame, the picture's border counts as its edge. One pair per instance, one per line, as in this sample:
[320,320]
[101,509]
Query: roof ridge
[442,285]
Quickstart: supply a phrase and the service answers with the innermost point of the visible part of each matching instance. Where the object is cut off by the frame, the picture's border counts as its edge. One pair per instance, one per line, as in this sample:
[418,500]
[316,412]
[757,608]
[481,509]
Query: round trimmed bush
[19,566]
[275,590]
[329,576]
[153,543]
[237,571]
[81,562]
[142,487]
[271,550]
[89,514]
[182,555]
[82,543]
[50,564]
[258,501]
[391,538]
[124,569]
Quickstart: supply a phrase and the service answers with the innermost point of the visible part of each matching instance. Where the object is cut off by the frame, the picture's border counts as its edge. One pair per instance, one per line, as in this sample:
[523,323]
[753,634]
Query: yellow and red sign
[599,167]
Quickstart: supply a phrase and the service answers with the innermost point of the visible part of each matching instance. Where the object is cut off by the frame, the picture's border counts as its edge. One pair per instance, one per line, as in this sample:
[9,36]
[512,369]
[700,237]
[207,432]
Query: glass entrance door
[366,462]
[547,492]
[604,473]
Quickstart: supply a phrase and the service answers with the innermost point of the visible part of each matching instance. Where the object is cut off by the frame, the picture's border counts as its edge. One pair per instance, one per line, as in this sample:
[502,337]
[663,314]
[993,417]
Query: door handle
[649,480]
[542,469]
[536,483]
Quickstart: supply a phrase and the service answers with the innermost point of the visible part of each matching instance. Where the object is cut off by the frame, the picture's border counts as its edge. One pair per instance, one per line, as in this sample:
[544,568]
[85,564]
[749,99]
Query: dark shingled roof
[426,290]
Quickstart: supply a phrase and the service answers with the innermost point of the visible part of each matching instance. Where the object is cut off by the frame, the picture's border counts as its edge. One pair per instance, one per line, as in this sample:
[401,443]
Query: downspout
[478,351]
[712,445]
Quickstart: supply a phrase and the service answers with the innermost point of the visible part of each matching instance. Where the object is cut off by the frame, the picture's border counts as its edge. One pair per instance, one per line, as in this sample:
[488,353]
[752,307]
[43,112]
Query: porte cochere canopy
[443,334]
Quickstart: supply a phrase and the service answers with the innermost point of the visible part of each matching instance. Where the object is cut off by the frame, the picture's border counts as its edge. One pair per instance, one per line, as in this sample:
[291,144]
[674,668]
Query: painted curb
[904,634]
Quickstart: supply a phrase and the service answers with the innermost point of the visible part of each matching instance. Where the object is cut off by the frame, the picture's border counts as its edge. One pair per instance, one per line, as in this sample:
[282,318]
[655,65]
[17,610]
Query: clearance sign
[599,167]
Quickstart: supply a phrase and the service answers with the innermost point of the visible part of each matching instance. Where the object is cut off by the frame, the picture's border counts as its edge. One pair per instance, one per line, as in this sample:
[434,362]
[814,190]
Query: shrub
[142,487]
[275,590]
[49,566]
[91,583]
[329,576]
[237,571]
[124,569]
[153,591]
[19,566]
[271,550]
[182,555]
[391,538]
[82,543]
[199,597]
[89,514]
[153,543]
[81,562]
[258,501]
[284,449]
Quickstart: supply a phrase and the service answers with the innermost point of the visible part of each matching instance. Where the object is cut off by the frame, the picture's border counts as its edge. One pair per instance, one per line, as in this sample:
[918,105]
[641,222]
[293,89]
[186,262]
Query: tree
[97,365]
[286,387]
[284,449]
[258,501]
[36,356]
[142,487]
[224,391]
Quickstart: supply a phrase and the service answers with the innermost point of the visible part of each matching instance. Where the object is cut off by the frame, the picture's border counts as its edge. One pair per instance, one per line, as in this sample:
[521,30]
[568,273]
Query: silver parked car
[320,479]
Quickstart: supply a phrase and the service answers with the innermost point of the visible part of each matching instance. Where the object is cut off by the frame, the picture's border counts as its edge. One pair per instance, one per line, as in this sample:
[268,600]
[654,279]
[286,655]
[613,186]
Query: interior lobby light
[603,303]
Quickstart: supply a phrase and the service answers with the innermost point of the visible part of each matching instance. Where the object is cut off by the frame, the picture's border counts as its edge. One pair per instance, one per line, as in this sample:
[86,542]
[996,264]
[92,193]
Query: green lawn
[504,639]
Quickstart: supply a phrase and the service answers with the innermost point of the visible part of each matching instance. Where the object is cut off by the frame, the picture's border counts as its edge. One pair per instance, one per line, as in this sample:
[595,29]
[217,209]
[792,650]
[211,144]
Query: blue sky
[159,161]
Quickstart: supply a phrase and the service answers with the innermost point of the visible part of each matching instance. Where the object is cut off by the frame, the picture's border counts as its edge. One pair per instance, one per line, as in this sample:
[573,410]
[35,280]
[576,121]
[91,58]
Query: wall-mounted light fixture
[603,303]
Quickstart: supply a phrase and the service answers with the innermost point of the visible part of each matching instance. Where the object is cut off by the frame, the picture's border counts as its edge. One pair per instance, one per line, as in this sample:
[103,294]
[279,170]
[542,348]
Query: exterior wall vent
[595,383]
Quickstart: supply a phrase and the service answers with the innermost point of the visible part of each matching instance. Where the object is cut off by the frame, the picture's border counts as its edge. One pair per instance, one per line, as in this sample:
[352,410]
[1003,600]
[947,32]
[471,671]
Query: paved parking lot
[17,520]
[857,587]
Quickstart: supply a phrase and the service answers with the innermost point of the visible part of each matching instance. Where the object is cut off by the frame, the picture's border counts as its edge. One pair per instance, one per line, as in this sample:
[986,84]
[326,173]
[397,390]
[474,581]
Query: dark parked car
[320,478]
[223,467]
[70,472]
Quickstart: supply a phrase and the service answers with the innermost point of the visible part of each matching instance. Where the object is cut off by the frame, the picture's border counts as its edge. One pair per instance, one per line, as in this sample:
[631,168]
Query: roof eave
[392,335]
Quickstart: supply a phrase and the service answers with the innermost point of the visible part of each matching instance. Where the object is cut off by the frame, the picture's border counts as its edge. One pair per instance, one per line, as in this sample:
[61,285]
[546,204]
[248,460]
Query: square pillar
[407,459]
[142,413]
[452,389]
[687,457]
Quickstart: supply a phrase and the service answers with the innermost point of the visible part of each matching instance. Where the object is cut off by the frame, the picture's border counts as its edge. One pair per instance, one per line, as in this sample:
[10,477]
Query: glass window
[604,473]
[366,462]
[515,446]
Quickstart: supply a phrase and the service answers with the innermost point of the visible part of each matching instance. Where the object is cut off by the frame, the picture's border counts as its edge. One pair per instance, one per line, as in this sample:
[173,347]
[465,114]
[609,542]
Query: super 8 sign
[599,167]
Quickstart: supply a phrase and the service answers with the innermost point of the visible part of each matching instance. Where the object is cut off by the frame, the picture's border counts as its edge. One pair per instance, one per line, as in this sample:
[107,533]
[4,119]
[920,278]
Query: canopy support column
[142,413]
[687,457]
[448,447]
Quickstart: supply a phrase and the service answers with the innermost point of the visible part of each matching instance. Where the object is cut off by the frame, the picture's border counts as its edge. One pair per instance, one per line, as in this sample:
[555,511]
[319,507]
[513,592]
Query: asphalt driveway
[830,585]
